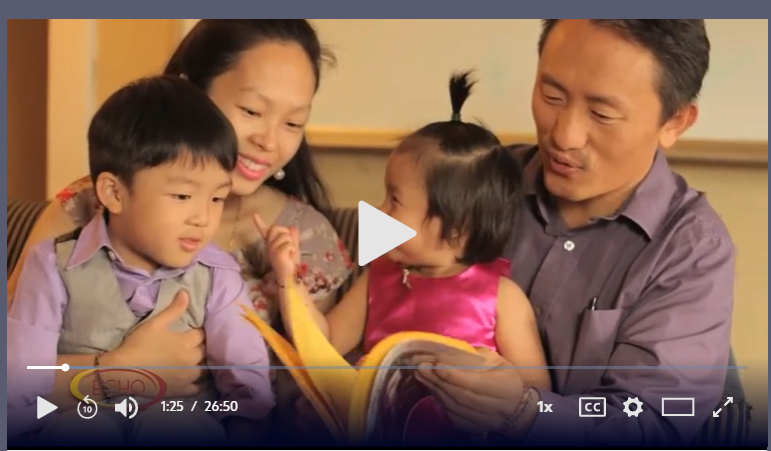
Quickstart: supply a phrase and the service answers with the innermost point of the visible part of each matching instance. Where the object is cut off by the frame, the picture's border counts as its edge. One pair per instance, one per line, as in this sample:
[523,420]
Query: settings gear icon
[637,407]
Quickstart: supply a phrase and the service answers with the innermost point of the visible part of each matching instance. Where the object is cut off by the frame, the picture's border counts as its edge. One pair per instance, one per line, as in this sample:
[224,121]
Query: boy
[160,154]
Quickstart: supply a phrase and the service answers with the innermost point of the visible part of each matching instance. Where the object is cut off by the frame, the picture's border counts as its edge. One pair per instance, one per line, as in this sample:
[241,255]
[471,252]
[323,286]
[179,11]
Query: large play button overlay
[379,233]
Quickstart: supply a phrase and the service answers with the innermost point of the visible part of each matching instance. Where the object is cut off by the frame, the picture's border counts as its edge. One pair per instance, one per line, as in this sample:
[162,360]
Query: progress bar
[66,367]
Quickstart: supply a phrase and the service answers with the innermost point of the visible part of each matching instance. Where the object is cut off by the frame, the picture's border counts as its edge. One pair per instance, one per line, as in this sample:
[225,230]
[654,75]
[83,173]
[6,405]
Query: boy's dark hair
[681,49]
[153,121]
[213,47]
[474,185]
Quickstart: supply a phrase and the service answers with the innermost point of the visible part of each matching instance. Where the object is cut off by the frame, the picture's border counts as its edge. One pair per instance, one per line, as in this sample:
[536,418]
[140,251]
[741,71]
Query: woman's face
[267,96]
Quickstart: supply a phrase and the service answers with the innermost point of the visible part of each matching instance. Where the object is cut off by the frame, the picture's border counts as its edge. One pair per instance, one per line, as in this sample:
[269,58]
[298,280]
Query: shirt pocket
[595,341]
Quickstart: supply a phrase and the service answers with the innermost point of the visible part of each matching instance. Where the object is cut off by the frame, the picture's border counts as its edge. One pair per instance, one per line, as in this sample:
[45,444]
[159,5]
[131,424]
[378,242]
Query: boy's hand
[153,343]
[283,247]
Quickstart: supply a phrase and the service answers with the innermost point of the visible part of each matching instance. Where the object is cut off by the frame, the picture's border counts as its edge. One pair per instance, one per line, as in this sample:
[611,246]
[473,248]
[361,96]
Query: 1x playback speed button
[87,408]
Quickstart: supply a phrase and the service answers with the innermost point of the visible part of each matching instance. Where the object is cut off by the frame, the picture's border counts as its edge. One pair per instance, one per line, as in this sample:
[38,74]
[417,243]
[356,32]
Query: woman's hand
[283,246]
[478,401]
[153,343]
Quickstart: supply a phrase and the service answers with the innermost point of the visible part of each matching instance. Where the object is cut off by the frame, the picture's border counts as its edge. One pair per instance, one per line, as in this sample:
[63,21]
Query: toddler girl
[455,185]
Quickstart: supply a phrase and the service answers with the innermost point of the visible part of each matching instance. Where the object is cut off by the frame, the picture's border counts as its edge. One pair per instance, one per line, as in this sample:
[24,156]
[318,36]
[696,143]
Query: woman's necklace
[233,234]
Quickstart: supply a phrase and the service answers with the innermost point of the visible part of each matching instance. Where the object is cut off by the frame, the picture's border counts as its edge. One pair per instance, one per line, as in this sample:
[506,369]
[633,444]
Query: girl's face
[407,202]
[267,96]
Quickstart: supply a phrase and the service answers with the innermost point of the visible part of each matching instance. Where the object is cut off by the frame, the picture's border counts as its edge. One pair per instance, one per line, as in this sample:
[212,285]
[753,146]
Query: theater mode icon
[592,407]
[678,407]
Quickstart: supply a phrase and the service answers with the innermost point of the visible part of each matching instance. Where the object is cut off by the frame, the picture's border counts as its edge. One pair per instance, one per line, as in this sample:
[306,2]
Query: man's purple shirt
[37,312]
[661,273]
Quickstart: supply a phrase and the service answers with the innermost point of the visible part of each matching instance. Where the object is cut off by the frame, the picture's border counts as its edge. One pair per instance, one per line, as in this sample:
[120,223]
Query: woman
[263,74]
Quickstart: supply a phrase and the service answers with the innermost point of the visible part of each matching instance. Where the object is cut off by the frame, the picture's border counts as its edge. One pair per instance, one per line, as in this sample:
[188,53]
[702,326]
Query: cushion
[21,217]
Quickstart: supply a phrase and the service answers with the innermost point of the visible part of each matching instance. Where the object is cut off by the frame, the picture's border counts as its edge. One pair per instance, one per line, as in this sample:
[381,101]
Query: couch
[730,429]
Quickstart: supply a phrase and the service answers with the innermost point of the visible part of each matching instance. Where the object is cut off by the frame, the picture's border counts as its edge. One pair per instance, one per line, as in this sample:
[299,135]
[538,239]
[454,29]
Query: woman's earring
[279,175]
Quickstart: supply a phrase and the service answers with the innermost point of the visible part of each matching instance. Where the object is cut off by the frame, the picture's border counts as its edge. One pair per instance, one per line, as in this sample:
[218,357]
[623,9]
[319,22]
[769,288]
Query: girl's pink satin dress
[462,306]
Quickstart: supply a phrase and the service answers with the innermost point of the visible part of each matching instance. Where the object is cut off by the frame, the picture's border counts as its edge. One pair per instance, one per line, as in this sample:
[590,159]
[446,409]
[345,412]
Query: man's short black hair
[153,121]
[680,46]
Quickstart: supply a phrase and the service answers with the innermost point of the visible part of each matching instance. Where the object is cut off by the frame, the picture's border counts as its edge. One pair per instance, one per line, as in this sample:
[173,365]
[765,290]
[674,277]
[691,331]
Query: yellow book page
[362,391]
[289,357]
[316,351]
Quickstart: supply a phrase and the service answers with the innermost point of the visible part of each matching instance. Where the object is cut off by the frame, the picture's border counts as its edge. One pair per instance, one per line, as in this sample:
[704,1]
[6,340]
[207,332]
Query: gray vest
[98,318]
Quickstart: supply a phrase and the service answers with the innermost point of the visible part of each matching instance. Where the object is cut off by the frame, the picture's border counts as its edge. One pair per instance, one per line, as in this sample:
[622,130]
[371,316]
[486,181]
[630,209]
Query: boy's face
[169,213]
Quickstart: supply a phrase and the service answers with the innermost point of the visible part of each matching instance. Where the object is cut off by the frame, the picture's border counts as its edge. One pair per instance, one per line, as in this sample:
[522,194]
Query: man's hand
[478,401]
[154,344]
[309,423]
[283,246]
[245,433]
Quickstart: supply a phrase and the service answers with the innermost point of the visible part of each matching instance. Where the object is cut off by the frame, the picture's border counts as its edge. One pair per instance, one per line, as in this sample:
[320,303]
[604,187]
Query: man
[625,265]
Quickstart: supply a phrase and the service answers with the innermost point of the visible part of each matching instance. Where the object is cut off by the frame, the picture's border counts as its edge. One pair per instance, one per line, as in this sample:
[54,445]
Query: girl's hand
[283,246]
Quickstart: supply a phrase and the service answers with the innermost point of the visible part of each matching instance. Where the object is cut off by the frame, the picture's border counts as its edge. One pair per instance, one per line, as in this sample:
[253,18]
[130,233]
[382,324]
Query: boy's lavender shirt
[36,317]
[662,272]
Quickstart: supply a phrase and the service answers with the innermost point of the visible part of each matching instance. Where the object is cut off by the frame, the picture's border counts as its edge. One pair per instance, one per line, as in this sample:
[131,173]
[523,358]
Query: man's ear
[681,121]
[111,192]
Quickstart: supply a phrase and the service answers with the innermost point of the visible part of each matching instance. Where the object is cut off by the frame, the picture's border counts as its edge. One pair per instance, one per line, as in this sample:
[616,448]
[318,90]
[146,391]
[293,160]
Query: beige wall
[71,51]
[27,85]
[88,59]
[393,74]
[120,60]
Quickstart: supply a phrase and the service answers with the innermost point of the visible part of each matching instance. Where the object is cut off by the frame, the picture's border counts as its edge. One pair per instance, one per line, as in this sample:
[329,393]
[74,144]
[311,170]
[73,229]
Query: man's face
[597,112]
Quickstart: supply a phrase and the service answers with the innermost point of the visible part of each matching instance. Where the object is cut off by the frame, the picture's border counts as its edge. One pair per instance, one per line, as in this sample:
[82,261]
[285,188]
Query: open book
[378,403]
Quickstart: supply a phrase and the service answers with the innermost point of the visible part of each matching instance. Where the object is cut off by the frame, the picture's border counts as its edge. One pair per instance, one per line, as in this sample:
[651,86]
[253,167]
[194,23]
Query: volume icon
[128,407]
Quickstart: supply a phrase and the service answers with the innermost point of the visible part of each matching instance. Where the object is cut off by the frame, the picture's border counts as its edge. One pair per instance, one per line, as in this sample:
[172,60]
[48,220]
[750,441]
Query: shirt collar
[94,237]
[647,206]
[650,202]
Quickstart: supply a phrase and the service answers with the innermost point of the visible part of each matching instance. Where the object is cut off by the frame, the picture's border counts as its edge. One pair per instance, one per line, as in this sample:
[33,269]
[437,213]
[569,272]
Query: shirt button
[111,255]
[569,245]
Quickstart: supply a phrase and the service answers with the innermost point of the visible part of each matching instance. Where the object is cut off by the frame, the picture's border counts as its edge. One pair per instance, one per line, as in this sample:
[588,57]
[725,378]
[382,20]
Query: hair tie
[455,117]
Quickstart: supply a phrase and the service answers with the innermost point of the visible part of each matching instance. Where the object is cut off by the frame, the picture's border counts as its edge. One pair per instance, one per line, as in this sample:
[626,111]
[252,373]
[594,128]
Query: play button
[44,407]
[379,233]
